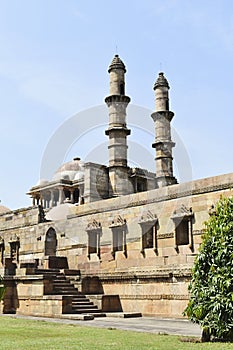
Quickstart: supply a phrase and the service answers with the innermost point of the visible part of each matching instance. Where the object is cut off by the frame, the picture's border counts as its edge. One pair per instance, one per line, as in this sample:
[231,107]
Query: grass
[23,334]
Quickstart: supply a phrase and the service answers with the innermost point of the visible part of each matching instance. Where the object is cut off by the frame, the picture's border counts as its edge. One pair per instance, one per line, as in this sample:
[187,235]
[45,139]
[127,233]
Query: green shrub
[2,289]
[211,287]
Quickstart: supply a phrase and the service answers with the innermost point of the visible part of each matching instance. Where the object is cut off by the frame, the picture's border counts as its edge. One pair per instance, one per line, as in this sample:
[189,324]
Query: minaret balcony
[117,98]
[162,114]
[118,129]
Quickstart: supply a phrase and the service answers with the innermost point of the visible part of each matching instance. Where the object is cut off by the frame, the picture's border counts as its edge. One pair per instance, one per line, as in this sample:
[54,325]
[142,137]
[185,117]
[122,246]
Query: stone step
[67,293]
[60,277]
[100,314]
[81,302]
[47,271]
[85,307]
[65,289]
[62,284]
[79,296]
[88,316]
[87,311]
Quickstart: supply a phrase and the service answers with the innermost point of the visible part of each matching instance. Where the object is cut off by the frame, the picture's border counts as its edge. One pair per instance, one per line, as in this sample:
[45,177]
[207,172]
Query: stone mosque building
[104,239]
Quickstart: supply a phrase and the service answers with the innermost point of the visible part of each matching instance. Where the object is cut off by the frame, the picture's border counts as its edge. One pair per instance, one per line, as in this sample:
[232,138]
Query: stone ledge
[84,317]
[18,278]
[142,275]
[43,297]
[155,297]
[124,314]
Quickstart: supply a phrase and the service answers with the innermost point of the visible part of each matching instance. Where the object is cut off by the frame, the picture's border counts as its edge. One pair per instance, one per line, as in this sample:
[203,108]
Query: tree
[211,286]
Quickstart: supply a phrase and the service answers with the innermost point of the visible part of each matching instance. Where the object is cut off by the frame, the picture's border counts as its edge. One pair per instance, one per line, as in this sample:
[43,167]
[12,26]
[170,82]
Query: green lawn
[40,335]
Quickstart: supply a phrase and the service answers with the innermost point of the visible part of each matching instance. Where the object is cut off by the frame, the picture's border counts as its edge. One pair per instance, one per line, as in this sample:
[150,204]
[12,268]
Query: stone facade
[154,271]
[129,248]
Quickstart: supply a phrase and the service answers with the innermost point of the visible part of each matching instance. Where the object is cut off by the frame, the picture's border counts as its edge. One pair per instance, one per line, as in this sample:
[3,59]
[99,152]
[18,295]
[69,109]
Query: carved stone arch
[148,222]
[94,231]
[51,242]
[119,229]
[183,220]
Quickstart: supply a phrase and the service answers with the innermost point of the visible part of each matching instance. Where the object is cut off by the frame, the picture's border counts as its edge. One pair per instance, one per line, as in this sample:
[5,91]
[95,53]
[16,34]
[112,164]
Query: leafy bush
[211,287]
[2,289]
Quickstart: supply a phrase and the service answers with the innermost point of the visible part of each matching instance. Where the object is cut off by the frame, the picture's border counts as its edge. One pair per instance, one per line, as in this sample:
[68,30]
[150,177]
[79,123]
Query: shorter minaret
[163,143]
[117,131]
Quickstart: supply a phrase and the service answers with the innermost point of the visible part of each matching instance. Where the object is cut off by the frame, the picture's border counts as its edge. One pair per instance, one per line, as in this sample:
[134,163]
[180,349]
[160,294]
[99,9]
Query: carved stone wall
[151,278]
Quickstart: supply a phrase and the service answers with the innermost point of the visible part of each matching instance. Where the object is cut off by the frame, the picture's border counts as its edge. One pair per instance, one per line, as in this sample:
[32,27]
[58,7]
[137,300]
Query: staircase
[63,286]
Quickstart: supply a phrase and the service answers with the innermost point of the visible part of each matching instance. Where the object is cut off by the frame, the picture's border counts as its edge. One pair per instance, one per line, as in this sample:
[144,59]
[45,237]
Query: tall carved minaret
[163,143]
[117,131]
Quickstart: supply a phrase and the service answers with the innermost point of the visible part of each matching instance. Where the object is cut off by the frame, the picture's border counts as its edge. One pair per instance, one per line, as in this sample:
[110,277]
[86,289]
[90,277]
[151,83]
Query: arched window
[50,242]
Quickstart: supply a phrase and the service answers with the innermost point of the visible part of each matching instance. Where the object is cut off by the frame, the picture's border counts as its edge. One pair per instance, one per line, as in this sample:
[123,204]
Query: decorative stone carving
[147,217]
[148,221]
[14,247]
[181,213]
[199,232]
[93,230]
[165,235]
[212,210]
[93,225]
[183,218]
[118,221]
[119,228]
[14,238]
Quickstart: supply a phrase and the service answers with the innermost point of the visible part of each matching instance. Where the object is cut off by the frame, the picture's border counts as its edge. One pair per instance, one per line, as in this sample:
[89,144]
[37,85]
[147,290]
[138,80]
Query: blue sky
[53,63]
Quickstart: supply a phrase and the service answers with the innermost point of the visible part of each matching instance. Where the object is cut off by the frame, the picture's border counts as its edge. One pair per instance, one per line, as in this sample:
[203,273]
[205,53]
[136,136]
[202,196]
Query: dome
[116,64]
[60,212]
[161,81]
[4,209]
[70,170]
[79,176]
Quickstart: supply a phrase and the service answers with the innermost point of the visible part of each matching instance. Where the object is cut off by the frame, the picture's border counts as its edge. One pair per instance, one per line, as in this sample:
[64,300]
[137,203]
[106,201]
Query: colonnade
[50,198]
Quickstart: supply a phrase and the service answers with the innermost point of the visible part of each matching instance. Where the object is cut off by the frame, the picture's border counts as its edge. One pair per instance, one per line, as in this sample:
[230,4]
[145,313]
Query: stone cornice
[155,297]
[165,235]
[156,275]
[176,191]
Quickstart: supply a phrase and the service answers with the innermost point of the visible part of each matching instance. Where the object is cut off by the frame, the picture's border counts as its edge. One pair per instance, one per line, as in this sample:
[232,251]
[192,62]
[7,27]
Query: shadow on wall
[111,303]
[92,285]
[10,300]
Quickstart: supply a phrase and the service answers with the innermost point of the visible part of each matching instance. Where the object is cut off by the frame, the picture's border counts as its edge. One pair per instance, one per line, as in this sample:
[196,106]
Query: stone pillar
[51,204]
[163,143]
[81,194]
[72,195]
[61,195]
[117,131]
[44,203]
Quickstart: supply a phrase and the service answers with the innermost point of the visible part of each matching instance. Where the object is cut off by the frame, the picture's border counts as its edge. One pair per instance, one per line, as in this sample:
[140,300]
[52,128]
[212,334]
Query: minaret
[163,143]
[117,131]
